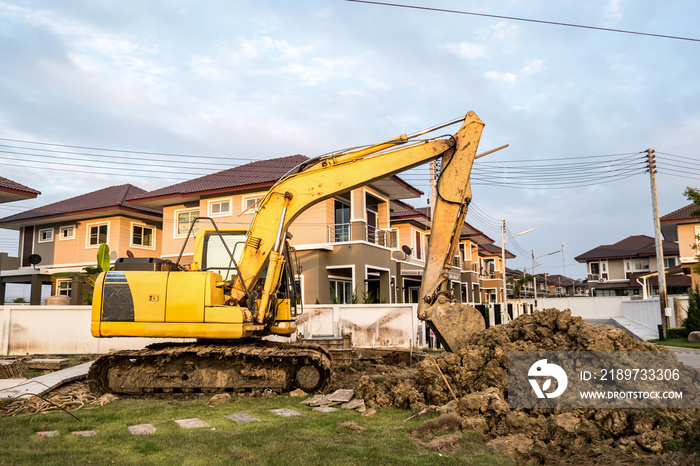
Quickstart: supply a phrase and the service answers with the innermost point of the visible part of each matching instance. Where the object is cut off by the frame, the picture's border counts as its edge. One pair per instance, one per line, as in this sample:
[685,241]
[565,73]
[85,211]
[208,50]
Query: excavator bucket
[453,323]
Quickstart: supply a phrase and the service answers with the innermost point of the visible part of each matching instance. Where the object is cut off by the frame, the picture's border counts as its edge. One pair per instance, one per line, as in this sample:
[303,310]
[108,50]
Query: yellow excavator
[240,287]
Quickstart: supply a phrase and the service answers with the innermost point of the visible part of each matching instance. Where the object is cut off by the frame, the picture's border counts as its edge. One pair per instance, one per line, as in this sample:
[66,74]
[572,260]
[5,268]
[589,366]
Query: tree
[692,323]
[518,284]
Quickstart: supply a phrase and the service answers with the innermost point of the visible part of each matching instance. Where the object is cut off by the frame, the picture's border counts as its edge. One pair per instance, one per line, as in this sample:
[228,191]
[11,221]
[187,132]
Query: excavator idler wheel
[309,378]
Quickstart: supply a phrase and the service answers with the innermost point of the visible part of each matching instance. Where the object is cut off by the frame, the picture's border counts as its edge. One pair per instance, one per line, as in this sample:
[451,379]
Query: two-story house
[560,286]
[344,243]
[64,237]
[491,271]
[618,269]
[411,229]
[11,191]
[475,267]
[683,228]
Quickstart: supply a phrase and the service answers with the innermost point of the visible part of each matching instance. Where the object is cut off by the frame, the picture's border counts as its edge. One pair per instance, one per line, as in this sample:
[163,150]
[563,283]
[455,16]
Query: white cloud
[506,31]
[613,10]
[466,49]
[503,77]
[532,67]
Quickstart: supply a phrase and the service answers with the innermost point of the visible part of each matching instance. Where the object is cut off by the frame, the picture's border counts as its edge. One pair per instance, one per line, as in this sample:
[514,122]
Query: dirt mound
[471,389]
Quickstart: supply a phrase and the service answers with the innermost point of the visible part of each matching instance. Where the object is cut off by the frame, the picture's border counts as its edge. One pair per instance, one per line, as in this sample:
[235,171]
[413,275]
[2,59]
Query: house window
[341,291]
[64,287]
[669,262]
[418,246]
[393,239]
[46,236]
[641,265]
[67,233]
[185,218]
[97,234]
[342,221]
[250,204]
[142,235]
[220,208]
[489,268]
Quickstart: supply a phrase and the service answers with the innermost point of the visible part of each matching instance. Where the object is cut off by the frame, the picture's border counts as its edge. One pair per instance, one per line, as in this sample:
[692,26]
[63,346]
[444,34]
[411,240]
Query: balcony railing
[342,232]
[339,232]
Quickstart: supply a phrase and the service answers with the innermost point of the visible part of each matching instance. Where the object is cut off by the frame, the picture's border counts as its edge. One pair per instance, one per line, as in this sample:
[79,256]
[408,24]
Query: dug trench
[469,390]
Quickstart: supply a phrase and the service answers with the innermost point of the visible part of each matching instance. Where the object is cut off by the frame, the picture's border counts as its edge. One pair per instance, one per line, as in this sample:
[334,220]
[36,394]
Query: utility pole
[534,278]
[663,298]
[563,263]
[503,261]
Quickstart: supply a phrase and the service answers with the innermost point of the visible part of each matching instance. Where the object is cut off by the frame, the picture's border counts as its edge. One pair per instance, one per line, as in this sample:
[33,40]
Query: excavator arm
[324,177]
[451,321]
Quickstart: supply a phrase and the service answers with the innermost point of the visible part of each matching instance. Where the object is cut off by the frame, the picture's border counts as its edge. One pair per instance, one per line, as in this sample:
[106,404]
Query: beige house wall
[686,240]
[66,252]
[616,269]
[311,227]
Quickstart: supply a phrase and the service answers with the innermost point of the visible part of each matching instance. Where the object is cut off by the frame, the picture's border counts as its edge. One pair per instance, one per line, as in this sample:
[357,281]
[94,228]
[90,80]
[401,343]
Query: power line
[51,153]
[120,150]
[529,20]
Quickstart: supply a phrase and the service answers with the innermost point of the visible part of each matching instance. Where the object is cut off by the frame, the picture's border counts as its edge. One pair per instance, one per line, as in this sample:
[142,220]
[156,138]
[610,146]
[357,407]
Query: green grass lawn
[315,438]
[680,342]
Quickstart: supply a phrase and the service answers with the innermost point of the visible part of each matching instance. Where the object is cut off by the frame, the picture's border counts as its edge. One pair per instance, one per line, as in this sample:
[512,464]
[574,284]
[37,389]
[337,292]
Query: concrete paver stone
[353,404]
[316,400]
[342,395]
[193,423]
[48,433]
[284,412]
[325,409]
[142,429]
[84,433]
[241,417]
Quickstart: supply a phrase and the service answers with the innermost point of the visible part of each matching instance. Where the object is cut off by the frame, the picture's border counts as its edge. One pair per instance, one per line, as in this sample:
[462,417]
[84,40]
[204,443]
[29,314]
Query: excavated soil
[470,391]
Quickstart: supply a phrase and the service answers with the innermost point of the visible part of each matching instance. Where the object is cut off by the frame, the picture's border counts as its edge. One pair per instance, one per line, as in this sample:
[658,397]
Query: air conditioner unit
[602,279]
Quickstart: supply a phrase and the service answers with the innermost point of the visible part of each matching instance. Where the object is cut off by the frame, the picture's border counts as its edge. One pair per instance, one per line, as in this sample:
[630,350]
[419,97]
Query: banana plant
[90,273]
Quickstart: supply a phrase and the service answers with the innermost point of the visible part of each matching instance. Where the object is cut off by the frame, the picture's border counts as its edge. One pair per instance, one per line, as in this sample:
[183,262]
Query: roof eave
[82,215]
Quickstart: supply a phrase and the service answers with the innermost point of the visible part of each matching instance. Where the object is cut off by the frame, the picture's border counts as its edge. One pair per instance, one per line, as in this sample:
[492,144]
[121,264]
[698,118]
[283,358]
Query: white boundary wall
[371,325]
[66,329]
[56,330]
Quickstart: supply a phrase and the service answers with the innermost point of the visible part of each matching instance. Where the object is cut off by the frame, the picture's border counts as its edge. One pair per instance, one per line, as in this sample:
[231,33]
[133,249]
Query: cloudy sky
[178,89]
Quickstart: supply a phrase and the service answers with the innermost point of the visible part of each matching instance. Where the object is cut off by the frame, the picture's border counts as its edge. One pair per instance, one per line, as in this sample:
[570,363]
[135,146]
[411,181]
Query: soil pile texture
[470,389]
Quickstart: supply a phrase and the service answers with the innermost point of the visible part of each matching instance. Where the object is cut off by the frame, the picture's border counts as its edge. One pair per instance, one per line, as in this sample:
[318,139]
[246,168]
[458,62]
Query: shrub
[677,332]
[692,323]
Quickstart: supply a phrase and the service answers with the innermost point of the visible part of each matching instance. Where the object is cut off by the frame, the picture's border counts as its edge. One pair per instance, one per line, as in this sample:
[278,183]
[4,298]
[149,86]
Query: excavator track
[210,368]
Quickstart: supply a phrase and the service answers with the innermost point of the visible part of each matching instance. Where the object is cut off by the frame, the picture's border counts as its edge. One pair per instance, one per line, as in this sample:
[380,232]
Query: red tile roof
[115,196]
[6,184]
[260,173]
[494,250]
[633,246]
[681,215]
